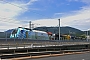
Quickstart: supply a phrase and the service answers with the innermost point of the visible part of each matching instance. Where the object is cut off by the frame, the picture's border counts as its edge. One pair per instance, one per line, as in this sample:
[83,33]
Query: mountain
[6,33]
[2,35]
[63,30]
[9,31]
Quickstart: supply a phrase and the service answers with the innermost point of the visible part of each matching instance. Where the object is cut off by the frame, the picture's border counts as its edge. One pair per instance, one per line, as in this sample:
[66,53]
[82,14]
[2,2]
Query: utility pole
[30,24]
[59,29]
[87,35]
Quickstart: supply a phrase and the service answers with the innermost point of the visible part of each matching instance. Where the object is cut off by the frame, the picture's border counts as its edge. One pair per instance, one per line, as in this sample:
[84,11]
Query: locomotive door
[26,34]
[36,35]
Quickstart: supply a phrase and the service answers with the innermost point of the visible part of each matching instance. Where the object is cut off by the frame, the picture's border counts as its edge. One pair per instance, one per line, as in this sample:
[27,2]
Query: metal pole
[87,35]
[30,24]
[6,35]
[59,29]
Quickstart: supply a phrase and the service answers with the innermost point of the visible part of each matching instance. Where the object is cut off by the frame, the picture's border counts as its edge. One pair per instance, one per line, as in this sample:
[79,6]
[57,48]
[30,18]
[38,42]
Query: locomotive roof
[33,30]
[39,31]
[25,28]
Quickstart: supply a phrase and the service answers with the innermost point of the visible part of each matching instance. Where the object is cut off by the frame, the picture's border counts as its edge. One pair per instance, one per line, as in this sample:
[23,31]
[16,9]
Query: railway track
[26,48]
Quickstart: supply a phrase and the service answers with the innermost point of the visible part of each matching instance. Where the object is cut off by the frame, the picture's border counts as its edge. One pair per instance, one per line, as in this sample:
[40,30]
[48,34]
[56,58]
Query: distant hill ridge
[63,30]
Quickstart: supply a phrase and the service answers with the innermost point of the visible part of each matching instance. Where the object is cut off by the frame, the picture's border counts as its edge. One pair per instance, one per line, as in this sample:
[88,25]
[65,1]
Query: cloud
[80,16]
[84,1]
[79,19]
[9,10]
[59,13]
[31,1]
[72,0]
[9,24]
[46,22]
[13,9]
[8,13]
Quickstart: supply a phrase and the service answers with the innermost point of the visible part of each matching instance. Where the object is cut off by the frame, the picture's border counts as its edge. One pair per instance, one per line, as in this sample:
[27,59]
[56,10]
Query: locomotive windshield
[22,31]
[14,31]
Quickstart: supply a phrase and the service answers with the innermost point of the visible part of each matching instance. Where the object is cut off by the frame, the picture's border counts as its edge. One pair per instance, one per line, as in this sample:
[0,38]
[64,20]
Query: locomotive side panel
[41,35]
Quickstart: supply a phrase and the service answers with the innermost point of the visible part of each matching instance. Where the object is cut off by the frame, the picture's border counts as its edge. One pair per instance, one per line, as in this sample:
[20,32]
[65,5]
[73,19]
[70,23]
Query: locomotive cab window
[22,31]
[14,31]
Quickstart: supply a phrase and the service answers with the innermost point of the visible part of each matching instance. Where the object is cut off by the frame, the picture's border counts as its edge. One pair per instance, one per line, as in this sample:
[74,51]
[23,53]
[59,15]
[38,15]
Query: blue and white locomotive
[22,33]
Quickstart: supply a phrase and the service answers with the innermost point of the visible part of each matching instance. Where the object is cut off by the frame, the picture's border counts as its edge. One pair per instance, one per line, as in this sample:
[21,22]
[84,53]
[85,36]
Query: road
[84,56]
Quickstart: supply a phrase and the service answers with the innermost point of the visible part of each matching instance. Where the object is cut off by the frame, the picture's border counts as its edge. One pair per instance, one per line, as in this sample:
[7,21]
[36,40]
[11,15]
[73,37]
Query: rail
[37,45]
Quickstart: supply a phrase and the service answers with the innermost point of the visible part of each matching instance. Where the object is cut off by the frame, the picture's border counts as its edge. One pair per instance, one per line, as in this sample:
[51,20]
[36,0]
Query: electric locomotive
[23,33]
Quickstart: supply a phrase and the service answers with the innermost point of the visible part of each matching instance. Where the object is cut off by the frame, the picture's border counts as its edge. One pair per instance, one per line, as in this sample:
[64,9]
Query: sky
[18,13]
